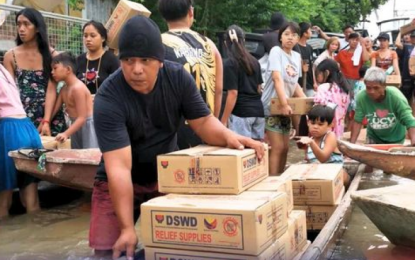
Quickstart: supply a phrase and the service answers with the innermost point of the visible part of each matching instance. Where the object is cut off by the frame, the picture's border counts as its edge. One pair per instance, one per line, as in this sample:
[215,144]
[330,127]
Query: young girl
[284,66]
[333,89]
[243,111]
[322,143]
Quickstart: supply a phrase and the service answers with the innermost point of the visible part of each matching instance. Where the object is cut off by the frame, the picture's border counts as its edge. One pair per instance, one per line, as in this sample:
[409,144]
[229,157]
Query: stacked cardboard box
[277,184]
[210,170]
[224,220]
[290,245]
[317,189]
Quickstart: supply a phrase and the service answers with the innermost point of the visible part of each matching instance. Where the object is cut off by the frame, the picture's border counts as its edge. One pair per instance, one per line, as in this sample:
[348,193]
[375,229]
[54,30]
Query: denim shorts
[278,124]
[253,127]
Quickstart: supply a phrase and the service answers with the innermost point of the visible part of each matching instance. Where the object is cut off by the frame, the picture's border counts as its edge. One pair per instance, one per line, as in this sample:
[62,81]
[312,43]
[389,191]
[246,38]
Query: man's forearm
[355,132]
[211,130]
[121,192]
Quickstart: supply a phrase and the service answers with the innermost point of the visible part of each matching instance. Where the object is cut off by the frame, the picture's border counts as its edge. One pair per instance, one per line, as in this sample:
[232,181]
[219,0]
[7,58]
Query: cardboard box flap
[230,152]
[206,150]
[300,172]
[234,152]
[250,202]
[199,150]
[270,184]
[138,7]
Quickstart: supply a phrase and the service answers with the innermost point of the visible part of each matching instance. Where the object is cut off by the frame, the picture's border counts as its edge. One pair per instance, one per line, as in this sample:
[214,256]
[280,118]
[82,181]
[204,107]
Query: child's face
[321,77]
[317,128]
[59,71]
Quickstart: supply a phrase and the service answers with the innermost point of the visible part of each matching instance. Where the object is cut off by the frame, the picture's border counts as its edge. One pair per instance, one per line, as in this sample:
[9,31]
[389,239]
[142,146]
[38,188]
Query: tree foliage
[212,16]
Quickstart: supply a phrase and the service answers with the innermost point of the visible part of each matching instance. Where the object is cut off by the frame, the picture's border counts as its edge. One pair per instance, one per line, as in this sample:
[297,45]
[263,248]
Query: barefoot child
[321,146]
[78,104]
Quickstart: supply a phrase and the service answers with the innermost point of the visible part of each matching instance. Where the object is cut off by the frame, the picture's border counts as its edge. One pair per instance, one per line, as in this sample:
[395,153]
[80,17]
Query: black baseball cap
[384,36]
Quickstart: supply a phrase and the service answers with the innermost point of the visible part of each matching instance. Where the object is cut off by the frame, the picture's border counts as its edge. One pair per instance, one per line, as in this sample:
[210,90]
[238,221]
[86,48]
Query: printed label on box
[250,169]
[196,229]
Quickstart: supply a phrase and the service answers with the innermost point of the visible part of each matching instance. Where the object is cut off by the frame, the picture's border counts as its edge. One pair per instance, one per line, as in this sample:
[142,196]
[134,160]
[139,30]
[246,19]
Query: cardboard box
[247,223]
[122,12]
[407,28]
[317,216]
[277,183]
[299,106]
[296,233]
[49,142]
[315,184]
[302,251]
[393,80]
[274,252]
[210,170]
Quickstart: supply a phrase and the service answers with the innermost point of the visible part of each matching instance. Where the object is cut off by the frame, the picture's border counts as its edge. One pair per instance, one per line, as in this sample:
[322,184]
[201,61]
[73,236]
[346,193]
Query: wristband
[45,121]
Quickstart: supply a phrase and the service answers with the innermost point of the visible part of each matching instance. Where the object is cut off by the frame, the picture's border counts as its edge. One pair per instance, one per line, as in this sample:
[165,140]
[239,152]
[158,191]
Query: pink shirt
[10,103]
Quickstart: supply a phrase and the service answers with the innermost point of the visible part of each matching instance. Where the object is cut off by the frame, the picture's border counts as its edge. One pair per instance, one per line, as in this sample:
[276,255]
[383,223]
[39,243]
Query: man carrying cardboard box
[137,112]
[198,55]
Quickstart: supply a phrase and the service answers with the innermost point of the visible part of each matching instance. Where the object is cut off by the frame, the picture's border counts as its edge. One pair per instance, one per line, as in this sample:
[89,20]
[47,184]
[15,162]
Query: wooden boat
[324,243]
[70,168]
[397,161]
[392,210]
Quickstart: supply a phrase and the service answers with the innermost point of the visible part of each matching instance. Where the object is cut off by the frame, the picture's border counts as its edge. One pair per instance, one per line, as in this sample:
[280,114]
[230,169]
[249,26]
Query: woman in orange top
[385,58]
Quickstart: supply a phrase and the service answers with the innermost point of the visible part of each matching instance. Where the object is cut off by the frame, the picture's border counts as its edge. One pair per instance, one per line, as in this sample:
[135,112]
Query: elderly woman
[386,109]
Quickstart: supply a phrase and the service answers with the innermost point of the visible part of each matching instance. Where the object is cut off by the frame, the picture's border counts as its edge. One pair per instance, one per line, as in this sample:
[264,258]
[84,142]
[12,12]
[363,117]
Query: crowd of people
[163,92]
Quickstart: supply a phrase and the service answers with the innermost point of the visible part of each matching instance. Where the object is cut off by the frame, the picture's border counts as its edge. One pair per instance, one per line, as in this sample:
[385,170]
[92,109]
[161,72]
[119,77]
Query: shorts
[278,124]
[16,133]
[85,137]
[252,127]
[104,229]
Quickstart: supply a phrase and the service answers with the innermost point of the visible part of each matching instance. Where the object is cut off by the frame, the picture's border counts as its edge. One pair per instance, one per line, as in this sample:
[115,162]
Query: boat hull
[70,168]
[391,210]
[399,163]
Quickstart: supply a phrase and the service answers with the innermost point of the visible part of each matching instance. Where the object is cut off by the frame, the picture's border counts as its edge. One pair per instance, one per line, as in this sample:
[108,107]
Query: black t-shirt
[248,102]
[406,54]
[109,63]
[270,40]
[146,122]
[306,53]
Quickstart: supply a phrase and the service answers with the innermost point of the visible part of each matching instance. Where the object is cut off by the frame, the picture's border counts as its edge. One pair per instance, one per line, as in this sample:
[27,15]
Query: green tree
[212,16]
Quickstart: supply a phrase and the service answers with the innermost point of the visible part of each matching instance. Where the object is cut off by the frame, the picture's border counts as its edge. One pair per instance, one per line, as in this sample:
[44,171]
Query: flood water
[60,232]
[362,239]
